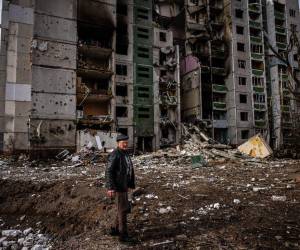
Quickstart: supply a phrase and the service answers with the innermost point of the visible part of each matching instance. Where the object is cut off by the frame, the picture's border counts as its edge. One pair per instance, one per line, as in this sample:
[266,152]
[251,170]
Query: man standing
[119,176]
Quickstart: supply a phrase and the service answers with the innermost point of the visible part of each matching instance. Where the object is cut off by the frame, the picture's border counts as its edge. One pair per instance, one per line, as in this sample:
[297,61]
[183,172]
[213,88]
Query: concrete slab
[18,92]
[65,9]
[21,30]
[20,14]
[55,28]
[54,54]
[54,106]
[50,80]
[52,133]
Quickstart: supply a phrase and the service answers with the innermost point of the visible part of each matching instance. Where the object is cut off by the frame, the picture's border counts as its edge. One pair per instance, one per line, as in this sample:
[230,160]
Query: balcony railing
[258,89]
[260,123]
[285,108]
[259,106]
[219,88]
[257,72]
[257,56]
[280,30]
[279,15]
[281,45]
[255,24]
[254,7]
[219,105]
[255,39]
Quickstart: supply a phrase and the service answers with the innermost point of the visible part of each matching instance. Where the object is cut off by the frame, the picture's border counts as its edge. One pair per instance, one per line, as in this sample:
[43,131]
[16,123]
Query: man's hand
[111,193]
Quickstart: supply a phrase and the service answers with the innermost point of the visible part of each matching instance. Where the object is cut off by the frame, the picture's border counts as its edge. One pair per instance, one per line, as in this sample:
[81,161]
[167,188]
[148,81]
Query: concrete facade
[73,69]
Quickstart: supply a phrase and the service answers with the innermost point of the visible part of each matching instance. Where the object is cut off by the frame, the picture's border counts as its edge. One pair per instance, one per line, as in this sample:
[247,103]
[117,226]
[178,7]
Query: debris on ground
[201,188]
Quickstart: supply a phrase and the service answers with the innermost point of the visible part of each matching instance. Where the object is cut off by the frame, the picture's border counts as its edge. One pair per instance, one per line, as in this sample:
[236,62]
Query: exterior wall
[3,60]
[126,80]
[53,76]
[18,76]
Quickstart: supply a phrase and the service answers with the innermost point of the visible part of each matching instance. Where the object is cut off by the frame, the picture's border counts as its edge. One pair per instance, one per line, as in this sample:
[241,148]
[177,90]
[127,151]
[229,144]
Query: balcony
[280,30]
[286,108]
[254,7]
[255,24]
[219,88]
[259,106]
[258,89]
[281,45]
[218,71]
[279,15]
[256,39]
[219,106]
[257,56]
[257,72]
[168,100]
[96,120]
[260,123]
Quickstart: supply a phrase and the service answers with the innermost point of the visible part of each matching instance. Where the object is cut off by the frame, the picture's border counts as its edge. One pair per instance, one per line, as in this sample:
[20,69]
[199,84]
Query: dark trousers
[122,206]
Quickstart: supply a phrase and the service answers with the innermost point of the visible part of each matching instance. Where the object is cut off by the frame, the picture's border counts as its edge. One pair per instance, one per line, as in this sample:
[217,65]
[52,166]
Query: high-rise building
[76,72]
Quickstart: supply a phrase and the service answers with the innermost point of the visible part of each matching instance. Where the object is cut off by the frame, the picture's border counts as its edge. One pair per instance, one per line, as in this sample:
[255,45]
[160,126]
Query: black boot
[114,231]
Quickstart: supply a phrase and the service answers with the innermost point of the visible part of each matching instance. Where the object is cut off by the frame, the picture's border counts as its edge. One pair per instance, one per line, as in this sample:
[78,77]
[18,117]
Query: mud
[213,207]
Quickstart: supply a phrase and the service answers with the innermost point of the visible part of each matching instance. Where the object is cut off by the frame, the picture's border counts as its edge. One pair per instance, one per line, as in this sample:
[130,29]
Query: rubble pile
[27,239]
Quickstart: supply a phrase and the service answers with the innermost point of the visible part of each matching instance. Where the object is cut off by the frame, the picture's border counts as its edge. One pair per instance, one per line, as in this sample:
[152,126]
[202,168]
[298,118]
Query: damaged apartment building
[240,87]
[74,73]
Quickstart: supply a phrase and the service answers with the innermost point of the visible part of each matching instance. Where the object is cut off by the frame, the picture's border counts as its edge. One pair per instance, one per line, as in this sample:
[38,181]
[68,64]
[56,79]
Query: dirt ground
[224,205]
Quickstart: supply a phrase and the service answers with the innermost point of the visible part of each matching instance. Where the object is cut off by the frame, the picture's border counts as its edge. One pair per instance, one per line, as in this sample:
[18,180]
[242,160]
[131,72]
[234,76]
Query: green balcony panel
[255,24]
[219,88]
[255,39]
[281,45]
[257,72]
[286,92]
[260,123]
[259,106]
[219,105]
[258,89]
[280,30]
[218,71]
[279,15]
[257,56]
[284,77]
[254,8]
[285,108]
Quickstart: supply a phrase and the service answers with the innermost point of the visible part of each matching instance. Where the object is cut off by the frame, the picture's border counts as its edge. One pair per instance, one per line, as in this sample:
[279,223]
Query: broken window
[143,33]
[162,58]
[143,52]
[162,36]
[123,131]
[244,116]
[121,111]
[241,47]
[242,80]
[142,13]
[243,98]
[239,13]
[121,69]
[245,134]
[240,30]
[242,64]
[259,98]
[121,90]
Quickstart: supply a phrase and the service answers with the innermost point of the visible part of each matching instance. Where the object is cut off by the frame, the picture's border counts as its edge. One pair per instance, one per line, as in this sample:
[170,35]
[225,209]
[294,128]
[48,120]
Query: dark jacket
[116,175]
